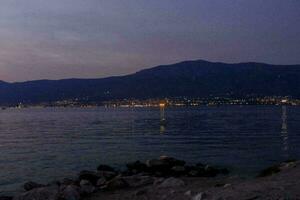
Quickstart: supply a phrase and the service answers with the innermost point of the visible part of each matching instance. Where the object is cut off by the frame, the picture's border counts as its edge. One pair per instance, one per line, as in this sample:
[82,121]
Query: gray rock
[188,193]
[102,181]
[172,182]
[70,192]
[43,193]
[86,187]
[200,196]
[32,185]
[138,180]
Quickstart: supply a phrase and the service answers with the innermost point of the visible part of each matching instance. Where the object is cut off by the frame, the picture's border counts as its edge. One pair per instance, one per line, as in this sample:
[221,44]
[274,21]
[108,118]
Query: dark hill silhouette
[190,78]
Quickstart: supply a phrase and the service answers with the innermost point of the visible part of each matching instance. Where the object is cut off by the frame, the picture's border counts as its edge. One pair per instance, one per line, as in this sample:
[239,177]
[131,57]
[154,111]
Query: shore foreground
[169,178]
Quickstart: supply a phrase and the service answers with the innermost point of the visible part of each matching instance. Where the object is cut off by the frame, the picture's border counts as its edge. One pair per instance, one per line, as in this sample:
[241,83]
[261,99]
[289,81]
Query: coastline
[169,178]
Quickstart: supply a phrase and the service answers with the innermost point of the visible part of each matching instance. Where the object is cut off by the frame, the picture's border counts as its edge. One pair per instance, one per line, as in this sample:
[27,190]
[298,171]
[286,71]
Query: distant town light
[162,105]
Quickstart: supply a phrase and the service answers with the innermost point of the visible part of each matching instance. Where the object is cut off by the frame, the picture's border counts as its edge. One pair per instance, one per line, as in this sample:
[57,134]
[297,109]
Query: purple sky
[96,38]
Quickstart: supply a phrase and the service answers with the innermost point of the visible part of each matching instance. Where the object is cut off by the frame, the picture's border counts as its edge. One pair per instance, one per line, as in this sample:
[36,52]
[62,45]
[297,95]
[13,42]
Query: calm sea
[52,143]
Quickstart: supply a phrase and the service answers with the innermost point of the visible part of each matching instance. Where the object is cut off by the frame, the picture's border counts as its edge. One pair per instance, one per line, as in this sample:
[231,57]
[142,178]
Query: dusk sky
[58,39]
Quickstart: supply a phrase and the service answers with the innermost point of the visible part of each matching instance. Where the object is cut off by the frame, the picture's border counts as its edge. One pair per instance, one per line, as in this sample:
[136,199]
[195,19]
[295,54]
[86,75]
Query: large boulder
[32,185]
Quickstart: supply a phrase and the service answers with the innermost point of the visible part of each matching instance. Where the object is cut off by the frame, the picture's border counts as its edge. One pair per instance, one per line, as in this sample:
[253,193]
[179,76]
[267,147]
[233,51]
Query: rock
[178,170]
[138,181]
[92,177]
[43,193]
[158,181]
[108,175]
[70,192]
[188,193]
[171,182]
[172,161]
[101,182]
[158,167]
[86,187]
[67,181]
[105,168]
[199,196]
[136,167]
[117,183]
[32,185]
[140,192]
[227,185]
[210,171]
[193,173]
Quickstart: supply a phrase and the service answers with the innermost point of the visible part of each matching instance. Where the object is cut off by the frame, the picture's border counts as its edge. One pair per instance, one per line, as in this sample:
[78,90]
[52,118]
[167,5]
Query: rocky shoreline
[164,178]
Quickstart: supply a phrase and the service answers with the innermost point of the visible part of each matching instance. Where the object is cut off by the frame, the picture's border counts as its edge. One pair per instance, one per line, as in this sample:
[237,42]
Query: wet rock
[116,183]
[32,185]
[43,193]
[105,168]
[172,182]
[136,167]
[92,177]
[86,187]
[172,161]
[70,192]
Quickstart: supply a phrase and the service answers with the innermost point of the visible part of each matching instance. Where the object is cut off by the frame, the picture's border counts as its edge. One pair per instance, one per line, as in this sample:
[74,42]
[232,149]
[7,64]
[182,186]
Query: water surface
[45,144]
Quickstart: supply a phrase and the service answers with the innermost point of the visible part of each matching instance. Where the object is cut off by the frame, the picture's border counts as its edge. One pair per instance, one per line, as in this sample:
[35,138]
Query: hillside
[190,78]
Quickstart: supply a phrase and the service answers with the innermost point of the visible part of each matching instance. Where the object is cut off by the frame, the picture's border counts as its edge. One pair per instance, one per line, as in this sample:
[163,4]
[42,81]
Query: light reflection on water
[53,143]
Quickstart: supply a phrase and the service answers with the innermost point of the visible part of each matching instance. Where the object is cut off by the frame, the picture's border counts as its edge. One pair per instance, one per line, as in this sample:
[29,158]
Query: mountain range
[197,78]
